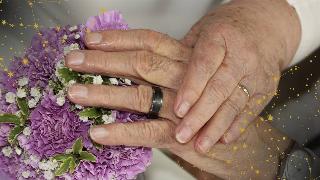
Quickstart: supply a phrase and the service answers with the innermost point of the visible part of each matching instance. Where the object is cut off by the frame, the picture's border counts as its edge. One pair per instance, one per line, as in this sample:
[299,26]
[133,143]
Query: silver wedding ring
[244,89]
[156,104]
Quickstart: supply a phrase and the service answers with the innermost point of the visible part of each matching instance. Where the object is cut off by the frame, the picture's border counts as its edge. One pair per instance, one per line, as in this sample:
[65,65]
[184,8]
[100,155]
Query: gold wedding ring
[244,89]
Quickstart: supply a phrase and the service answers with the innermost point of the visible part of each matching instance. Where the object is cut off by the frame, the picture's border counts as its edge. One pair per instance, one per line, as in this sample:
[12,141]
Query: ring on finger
[244,89]
[156,104]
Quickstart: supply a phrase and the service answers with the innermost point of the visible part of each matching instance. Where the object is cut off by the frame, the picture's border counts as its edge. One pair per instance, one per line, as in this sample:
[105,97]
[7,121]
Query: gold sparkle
[21,24]
[35,25]
[10,74]
[4,22]
[25,61]
[270,117]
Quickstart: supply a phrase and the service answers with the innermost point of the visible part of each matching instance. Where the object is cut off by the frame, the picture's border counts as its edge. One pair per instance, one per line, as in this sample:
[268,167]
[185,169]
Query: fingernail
[93,38]
[184,134]
[205,144]
[97,133]
[183,109]
[75,58]
[78,91]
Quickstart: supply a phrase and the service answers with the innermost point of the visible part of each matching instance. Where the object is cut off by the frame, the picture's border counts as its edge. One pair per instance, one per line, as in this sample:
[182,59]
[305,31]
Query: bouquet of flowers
[45,136]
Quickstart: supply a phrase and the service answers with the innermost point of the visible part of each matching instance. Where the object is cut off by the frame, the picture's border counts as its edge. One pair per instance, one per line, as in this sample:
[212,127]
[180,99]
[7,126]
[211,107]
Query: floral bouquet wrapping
[45,136]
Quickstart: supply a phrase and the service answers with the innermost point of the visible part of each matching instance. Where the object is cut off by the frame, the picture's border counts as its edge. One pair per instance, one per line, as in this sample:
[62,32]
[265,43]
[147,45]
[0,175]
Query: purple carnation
[119,163]
[54,128]
[4,132]
[109,20]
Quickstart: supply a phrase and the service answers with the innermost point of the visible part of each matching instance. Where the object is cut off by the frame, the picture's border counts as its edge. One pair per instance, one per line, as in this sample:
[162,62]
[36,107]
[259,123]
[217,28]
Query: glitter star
[10,74]
[36,26]
[25,61]
[4,22]
[21,24]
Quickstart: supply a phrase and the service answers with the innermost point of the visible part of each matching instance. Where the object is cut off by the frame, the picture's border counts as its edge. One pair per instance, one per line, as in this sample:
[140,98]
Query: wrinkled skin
[245,48]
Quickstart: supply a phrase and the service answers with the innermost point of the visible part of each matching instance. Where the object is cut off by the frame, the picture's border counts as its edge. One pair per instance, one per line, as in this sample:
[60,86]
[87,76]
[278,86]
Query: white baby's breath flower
[26,131]
[35,92]
[18,150]
[65,37]
[71,47]
[127,82]
[77,36]
[97,80]
[68,151]
[84,119]
[113,81]
[34,159]
[61,100]
[32,103]
[10,97]
[48,175]
[107,119]
[73,28]
[21,93]
[25,174]
[71,82]
[7,151]
[78,106]
[49,165]
[23,81]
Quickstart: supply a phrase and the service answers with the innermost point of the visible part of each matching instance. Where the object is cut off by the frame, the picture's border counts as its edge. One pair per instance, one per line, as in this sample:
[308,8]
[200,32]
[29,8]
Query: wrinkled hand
[241,45]
[254,155]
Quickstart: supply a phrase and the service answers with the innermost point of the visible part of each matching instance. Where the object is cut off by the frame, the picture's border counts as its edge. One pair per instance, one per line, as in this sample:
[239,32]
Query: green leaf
[24,108]
[77,146]
[62,157]
[67,75]
[87,79]
[9,118]
[91,113]
[84,155]
[73,165]
[14,133]
[64,167]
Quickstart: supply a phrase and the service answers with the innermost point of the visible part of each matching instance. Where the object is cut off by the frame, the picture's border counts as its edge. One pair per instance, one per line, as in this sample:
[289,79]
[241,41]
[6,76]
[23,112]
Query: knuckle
[103,94]
[145,61]
[158,134]
[142,100]
[233,106]
[219,90]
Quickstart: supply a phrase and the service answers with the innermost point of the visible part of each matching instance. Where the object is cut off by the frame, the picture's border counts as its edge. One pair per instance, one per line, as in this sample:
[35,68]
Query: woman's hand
[254,155]
[244,44]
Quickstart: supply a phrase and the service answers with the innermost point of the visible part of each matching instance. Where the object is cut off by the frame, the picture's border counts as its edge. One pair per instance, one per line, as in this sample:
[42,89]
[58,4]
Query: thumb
[150,133]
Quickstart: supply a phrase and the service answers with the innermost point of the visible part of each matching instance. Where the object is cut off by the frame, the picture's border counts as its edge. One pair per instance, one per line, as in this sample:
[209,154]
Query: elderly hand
[254,155]
[242,45]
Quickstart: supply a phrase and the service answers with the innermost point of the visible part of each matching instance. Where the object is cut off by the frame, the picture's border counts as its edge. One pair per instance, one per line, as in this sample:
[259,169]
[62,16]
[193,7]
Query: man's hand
[244,44]
[254,155]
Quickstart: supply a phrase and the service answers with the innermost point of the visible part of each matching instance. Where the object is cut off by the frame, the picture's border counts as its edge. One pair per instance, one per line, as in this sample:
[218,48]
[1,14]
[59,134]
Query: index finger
[139,39]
